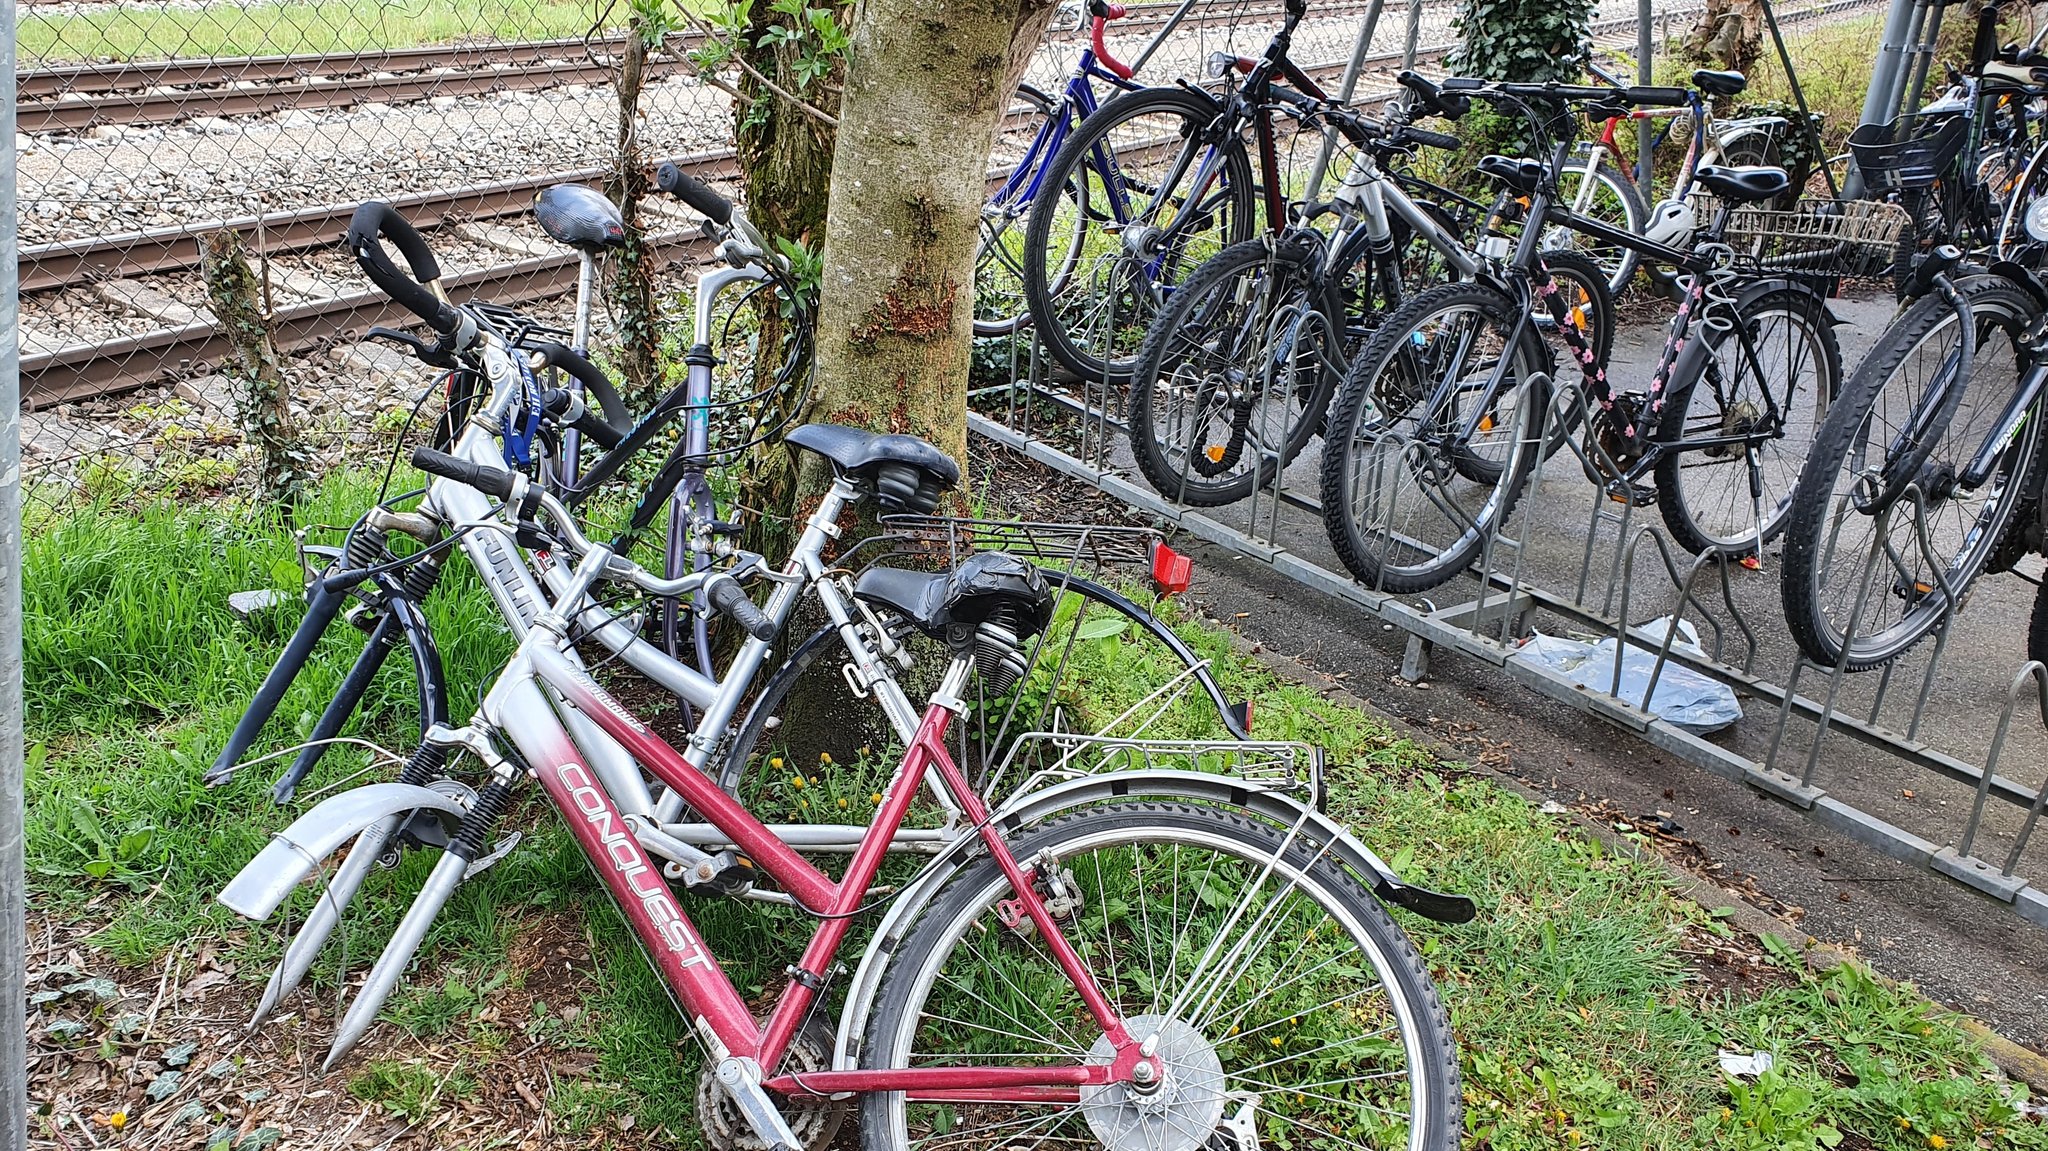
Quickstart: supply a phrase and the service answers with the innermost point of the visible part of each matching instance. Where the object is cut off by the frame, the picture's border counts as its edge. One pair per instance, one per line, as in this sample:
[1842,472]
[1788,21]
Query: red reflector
[1171,571]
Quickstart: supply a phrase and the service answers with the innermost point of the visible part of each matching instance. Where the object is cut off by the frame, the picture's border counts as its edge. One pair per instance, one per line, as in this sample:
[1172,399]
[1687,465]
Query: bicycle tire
[1813,532]
[1690,527]
[1367,410]
[1228,209]
[999,306]
[2014,241]
[1290,306]
[1616,262]
[1106,853]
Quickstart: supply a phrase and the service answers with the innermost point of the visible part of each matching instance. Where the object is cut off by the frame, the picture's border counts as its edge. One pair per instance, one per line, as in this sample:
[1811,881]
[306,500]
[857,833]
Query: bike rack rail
[1075,428]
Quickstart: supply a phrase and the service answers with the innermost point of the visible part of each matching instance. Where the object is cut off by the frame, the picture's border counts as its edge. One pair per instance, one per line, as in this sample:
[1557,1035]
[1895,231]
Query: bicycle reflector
[1172,572]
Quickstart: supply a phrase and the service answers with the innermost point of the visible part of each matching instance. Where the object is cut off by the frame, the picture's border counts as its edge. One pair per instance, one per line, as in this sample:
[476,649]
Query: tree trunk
[262,398]
[785,156]
[927,83]
[1729,34]
[632,288]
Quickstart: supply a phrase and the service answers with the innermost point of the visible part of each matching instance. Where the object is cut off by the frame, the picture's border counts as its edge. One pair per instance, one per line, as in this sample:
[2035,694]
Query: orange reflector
[1486,423]
[1214,452]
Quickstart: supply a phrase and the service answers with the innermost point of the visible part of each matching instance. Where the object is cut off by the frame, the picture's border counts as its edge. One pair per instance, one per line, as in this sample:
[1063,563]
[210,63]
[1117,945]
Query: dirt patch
[160,1056]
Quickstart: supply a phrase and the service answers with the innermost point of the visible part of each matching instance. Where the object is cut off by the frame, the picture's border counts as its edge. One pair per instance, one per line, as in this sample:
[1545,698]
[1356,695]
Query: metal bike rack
[1076,429]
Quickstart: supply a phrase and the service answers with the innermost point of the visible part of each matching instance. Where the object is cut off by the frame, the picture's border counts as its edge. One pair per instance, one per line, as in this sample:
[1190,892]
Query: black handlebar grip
[729,597]
[1463,84]
[1433,97]
[376,220]
[617,421]
[1657,97]
[1986,43]
[1428,139]
[483,477]
[690,190]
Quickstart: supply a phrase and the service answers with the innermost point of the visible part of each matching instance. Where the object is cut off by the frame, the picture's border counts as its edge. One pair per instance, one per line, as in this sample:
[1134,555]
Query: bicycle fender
[1264,800]
[292,854]
[2023,276]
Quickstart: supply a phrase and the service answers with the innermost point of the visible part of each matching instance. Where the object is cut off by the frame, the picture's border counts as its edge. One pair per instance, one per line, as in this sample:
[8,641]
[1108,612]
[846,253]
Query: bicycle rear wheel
[1407,506]
[1705,495]
[1829,533]
[1235,372]
[1119,223]
[1280,992]
[1610,197]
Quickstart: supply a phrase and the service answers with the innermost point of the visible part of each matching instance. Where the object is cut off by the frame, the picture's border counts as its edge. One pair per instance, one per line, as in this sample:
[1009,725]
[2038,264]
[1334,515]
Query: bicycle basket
[946,540]
[1829,237]
[1889,164]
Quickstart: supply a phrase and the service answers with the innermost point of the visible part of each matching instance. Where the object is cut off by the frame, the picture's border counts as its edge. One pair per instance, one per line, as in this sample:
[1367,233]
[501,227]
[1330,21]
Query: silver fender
[1259,799]
[295,852]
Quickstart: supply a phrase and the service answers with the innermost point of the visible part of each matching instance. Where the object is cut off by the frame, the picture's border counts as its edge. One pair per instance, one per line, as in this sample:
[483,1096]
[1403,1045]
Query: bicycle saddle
[903,473]
[580,217]
[1521,175]
[1738,185]
[1714,83]
[983,585]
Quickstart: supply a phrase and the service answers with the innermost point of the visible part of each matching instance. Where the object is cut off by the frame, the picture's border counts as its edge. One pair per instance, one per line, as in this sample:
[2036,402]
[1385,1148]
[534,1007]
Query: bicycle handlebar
[609,429]
[376,221]
[1103,14]
[696,193]
[726,594]
[491,481]
[1433,97]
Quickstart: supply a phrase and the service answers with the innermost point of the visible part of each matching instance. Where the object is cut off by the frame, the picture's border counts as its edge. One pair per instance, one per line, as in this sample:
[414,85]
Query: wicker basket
[1829,237]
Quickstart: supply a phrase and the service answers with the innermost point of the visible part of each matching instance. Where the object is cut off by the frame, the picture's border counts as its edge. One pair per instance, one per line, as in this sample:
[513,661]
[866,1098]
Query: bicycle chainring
[814,1121]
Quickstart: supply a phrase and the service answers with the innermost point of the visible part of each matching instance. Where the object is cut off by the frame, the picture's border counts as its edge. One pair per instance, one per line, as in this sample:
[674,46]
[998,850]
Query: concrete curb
[2018,1062]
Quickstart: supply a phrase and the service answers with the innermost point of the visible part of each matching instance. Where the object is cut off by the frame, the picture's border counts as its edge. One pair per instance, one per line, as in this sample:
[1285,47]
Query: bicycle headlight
[1220,65]
[2035,220]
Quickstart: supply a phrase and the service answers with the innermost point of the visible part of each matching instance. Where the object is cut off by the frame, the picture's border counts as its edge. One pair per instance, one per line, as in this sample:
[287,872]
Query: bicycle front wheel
[1834,555]
[1233,376]
[1409,500]
[1121,220]
[999,307]
[1765,393]
[1280,994]
[2023,228]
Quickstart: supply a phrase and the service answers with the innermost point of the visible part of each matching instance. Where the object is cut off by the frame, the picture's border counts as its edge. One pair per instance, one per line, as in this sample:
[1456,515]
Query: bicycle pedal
[1631,494]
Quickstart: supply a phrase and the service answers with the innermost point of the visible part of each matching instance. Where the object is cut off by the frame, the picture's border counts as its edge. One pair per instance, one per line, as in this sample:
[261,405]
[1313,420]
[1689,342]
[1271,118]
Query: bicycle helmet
[1671,224]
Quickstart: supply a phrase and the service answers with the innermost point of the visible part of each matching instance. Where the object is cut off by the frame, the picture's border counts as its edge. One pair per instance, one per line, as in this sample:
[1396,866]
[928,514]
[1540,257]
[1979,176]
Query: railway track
[75,97]
[85,370]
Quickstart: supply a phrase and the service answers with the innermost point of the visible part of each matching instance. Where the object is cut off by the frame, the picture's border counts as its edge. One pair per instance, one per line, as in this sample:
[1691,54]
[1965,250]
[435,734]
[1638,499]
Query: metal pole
[1884,79]
[1799,98]
[1344,94]
[1414,30]
[1646,63]
[13,928]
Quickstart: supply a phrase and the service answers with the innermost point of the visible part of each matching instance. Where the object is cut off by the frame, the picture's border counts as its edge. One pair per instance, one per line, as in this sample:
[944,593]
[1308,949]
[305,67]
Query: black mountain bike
[1442,415]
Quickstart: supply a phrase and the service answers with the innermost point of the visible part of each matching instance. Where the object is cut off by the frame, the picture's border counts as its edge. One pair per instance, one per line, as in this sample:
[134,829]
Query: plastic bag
[1684,697]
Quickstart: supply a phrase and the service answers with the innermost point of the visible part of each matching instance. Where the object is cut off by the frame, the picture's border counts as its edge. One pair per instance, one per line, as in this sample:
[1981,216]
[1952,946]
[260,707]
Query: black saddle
[1742,185]
[1521,175]
[903,473]
[1714,83]
[581,217]
[979,588]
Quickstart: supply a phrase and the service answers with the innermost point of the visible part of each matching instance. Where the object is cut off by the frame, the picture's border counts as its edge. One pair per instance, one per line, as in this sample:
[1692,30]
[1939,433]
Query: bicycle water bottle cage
[902,473]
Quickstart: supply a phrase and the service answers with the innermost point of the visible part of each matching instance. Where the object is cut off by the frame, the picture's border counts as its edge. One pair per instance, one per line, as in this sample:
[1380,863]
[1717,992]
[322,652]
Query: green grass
[1576,995]
[120,32]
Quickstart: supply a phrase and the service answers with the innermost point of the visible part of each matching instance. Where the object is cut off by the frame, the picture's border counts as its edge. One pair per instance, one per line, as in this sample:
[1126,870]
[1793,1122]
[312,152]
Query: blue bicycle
[1000,304]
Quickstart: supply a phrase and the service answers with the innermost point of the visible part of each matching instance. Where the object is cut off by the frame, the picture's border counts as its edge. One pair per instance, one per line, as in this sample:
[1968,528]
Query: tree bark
[927,83]
[785,156]
[1729,34]
[632,288]
[262,397]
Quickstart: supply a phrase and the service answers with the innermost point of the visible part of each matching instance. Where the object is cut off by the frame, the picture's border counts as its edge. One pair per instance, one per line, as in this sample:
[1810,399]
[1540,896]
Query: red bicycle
[1130,950]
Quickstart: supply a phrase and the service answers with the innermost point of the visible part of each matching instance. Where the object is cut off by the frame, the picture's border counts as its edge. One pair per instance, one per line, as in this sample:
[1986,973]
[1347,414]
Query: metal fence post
[13,872]
[1414,30]
[1884,79]
[1646,60]
[1344,93]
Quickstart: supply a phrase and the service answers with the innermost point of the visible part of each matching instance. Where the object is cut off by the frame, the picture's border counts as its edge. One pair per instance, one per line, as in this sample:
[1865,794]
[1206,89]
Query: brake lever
[438,354]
